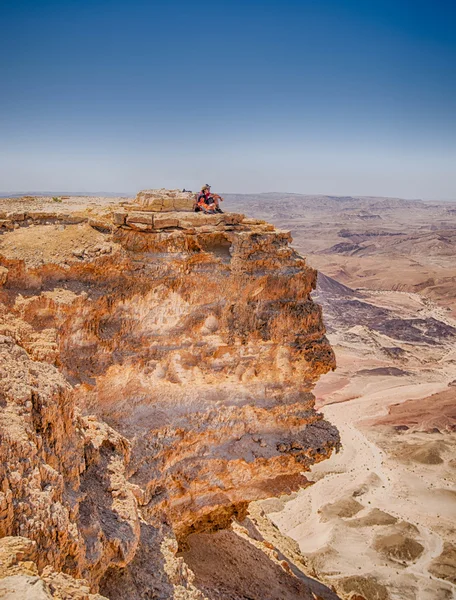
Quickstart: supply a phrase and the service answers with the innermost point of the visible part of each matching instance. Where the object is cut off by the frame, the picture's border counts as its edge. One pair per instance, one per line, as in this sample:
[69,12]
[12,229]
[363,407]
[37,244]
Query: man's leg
[211,206]
[217,205]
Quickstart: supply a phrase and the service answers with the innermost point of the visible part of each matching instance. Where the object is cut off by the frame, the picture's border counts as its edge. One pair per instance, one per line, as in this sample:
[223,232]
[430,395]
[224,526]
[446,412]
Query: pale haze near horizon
[275,164]
[252,170]
[288,96]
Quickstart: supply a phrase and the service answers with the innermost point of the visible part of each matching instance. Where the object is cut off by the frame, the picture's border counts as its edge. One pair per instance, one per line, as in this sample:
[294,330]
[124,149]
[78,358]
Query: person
[207,202]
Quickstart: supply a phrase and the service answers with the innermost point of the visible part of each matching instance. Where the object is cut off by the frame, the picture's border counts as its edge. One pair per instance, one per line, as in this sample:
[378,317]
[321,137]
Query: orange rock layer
[155,377]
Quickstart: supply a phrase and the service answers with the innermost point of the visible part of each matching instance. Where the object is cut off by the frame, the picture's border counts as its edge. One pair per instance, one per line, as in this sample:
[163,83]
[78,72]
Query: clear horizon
[324,98]
[76,193]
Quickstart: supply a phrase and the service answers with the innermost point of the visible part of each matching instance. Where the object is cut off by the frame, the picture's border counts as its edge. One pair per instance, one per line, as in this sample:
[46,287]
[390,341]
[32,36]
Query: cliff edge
[156,375]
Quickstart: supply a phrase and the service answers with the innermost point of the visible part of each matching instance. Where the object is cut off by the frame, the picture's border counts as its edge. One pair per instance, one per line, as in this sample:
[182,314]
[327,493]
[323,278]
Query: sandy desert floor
[380,519]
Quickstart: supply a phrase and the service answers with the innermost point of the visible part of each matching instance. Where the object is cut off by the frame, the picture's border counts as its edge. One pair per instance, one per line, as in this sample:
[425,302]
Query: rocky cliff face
[156,377]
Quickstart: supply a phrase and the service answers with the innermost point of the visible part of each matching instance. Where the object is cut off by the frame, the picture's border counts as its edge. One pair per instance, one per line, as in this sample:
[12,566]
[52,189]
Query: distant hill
[277,199]
[60,193]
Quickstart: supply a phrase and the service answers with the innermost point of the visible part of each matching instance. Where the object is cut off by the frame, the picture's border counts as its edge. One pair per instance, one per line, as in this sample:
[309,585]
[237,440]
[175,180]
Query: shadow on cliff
[145,576]
[226,566]
[230,567]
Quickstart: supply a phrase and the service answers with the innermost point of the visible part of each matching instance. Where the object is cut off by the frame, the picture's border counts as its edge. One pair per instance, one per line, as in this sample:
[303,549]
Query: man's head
[206,188]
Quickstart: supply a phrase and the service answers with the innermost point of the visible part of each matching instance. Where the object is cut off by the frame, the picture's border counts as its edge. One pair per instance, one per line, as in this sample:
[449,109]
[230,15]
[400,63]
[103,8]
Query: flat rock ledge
[131,217]
[146,221]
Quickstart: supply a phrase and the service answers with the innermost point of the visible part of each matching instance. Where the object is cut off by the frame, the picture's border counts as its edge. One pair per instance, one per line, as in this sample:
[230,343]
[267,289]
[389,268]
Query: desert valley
[380,519]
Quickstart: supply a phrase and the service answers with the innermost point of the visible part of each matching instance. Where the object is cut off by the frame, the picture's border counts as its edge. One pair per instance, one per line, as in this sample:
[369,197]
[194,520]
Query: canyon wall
[157,368]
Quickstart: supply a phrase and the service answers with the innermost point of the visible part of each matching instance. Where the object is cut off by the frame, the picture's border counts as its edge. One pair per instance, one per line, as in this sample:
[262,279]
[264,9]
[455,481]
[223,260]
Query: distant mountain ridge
[273,205]
[60,193]
[265,195]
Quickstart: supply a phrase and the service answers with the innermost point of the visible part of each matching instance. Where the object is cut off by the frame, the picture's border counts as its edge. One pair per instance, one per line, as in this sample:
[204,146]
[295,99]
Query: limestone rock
[17,556]
[163,200]
[165,220]
[155,378]
[55,470]
[24,587]
[19,578]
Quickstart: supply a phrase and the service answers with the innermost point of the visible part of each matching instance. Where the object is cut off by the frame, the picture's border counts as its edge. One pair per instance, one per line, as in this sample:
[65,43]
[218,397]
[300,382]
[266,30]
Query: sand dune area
[380,519]
[383,509]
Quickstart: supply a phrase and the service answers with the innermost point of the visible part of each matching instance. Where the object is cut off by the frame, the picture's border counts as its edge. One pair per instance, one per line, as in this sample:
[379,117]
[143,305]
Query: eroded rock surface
[156,377]
[165,200]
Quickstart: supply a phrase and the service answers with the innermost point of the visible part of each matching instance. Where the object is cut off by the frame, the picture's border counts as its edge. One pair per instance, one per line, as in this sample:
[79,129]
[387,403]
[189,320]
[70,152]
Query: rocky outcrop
[156,377]
[20,578]
[56,467]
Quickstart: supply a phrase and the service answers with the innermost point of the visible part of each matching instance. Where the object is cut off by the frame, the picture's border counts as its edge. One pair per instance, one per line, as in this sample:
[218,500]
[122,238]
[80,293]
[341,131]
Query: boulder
[165,200]
[24,587]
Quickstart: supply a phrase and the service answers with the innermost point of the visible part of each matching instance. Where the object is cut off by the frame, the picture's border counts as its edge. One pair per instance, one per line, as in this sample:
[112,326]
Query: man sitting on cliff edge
[207,202]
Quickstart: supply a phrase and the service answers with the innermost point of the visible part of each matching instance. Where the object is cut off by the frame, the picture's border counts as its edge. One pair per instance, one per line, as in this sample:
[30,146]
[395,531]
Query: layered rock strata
[156,377]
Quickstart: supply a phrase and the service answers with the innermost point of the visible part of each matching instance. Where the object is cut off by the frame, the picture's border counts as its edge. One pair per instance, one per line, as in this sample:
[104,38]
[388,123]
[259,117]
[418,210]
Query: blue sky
[337,97]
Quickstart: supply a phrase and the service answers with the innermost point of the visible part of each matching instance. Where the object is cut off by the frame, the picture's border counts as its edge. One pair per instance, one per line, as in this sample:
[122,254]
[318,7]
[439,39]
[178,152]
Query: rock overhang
[196,339]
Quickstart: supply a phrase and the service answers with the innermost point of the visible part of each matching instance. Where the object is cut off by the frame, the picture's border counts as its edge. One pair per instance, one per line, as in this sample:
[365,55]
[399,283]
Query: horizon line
[46,193]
